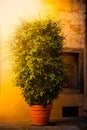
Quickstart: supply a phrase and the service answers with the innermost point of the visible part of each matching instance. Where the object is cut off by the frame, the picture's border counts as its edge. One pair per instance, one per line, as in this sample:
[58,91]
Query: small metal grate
[70,111]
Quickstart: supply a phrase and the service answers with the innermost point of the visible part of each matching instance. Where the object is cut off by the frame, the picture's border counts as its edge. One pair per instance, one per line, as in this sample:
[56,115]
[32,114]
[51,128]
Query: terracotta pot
[40,115]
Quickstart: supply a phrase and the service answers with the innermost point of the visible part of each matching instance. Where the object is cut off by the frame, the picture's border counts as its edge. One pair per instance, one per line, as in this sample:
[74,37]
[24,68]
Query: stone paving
[59,125]
[26,126]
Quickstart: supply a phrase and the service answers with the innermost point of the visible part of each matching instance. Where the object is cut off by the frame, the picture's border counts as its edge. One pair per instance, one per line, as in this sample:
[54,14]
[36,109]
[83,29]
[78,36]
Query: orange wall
[12,105]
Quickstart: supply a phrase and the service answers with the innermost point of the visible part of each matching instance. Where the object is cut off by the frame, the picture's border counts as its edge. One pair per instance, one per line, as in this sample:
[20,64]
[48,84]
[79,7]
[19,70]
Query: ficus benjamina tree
[36,54]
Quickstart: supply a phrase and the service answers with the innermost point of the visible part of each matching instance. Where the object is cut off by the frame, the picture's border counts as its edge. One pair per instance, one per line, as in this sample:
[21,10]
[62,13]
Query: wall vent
[70,111]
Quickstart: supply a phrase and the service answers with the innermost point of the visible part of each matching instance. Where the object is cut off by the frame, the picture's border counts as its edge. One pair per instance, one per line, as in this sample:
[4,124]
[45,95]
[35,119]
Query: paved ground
[24,126]
[79,124]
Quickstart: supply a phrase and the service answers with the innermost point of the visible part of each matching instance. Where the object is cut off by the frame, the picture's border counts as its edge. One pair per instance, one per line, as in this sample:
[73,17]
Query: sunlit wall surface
[72,15]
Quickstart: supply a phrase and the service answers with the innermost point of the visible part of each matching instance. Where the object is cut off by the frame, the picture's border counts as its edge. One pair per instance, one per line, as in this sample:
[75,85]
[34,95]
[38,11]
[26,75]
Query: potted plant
[36,48]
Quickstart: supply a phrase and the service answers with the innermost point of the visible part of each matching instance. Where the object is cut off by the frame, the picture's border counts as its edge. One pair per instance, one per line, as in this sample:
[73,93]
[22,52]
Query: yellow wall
[12,105]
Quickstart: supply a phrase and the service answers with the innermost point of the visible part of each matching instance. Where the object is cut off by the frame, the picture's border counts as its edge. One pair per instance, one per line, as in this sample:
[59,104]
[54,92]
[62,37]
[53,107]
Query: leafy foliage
[36,54]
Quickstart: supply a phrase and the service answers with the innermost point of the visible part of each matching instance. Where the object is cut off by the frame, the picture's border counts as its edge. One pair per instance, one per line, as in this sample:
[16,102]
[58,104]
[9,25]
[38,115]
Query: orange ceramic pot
[40,115]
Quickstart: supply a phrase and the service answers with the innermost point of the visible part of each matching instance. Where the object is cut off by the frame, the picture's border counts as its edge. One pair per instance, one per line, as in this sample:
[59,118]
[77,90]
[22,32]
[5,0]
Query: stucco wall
[74,20]
[72,15]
